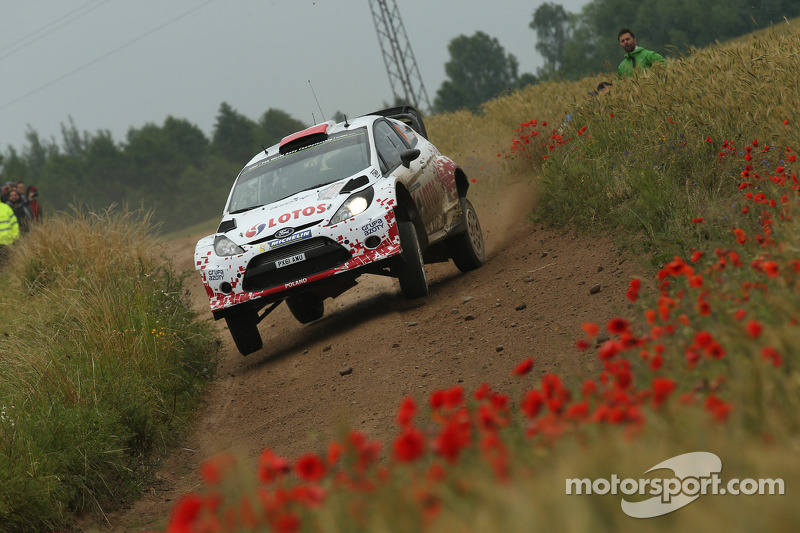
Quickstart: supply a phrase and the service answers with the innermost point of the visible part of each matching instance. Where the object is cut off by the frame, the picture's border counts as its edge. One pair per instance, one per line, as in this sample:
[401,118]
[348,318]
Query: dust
[501,214]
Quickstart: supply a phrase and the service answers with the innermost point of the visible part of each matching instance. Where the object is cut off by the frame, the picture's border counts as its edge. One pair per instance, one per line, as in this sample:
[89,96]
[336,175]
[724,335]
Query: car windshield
[268,181]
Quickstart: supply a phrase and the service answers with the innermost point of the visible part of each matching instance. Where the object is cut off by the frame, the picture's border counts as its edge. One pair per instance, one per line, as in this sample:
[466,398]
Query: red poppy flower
[185,513]
[409,446]
[588,388]
[590,328]
[608,350]
[212,470]
[656,363]
[580,131]
[271,467]
[532,403]
[287,523]
[770,354]
[334,453]
[717,407]
[662,388]
[583,344]
[310,468]
[406,411]
[617,326]
[770,268]
[754,329]
[523,368]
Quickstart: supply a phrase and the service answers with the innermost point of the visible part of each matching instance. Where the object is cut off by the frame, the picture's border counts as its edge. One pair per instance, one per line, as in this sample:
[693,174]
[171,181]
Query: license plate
[290,260]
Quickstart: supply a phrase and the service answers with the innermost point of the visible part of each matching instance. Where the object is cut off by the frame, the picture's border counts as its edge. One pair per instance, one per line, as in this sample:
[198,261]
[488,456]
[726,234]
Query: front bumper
[329,251]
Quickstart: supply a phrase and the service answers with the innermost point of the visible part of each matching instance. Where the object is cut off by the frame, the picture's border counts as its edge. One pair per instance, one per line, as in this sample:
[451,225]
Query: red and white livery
[309,215]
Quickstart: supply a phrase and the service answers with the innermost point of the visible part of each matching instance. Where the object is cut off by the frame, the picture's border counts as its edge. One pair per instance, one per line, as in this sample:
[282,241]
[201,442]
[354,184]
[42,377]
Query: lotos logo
[255,230]
[284,232]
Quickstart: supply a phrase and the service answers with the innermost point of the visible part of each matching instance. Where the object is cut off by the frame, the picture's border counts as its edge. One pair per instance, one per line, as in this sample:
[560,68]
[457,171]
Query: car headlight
[224,247]
[356,204]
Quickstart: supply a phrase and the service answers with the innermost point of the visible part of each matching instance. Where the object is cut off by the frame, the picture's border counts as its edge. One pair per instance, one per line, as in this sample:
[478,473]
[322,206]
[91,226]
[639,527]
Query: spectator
[21,210]
[9,228]
[33,203]
[635,56]
[20,186]
[602,88]
[4,190]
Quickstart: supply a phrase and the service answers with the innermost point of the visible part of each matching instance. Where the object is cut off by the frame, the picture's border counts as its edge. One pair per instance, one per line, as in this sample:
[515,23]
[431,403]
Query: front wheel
[466,248]
[411,274]
[243,325]
[306,307]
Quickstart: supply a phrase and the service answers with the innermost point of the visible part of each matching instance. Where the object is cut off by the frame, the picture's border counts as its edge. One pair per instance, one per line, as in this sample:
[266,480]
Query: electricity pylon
[401,66]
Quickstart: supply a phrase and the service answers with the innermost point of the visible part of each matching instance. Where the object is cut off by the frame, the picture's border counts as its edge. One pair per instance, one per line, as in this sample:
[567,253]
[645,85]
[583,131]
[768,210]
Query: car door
[391,139]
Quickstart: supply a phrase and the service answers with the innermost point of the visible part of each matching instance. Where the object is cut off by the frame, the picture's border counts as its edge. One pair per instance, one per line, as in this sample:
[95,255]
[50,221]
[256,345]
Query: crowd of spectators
[19,210]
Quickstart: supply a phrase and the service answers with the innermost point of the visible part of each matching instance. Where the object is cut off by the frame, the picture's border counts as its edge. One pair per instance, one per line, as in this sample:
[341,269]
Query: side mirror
[408,156]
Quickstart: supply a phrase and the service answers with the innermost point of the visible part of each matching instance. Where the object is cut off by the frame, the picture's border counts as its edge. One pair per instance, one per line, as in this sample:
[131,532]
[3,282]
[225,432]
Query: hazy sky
[116,64]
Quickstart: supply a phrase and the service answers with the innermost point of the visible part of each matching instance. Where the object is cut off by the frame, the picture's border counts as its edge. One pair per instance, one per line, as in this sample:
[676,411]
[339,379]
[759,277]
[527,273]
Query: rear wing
[405,114]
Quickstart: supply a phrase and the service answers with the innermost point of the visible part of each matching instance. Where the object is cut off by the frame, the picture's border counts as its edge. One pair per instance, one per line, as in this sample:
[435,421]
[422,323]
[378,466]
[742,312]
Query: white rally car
[309,215]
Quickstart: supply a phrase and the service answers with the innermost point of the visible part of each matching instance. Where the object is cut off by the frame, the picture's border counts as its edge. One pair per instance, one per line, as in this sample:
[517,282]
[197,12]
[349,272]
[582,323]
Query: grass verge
[101,359]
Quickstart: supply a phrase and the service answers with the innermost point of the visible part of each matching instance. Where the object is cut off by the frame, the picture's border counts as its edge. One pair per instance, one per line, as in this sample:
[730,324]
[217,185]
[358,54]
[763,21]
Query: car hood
[302,210]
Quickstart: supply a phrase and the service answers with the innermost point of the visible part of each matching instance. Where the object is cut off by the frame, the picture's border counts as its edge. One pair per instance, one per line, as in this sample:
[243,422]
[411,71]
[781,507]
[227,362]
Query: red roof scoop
[306,137]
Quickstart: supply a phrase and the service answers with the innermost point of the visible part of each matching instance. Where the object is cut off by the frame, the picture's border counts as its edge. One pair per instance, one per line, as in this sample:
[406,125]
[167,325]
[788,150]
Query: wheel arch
[462,182]
[406,211]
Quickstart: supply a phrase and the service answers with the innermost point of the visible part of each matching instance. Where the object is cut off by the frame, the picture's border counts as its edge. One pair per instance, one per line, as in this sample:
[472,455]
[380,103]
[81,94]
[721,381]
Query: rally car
[309,215]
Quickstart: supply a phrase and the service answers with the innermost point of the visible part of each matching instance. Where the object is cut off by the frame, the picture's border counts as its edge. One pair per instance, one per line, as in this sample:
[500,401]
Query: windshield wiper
[244,209]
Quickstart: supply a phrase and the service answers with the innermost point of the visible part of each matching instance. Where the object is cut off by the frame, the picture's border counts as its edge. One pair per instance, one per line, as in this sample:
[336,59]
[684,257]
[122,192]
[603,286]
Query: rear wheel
[466,248]
[306,307]
[411,274]
[243,325]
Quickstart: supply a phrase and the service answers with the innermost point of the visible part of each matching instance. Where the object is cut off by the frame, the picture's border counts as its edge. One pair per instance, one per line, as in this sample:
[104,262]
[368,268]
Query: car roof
[324,128]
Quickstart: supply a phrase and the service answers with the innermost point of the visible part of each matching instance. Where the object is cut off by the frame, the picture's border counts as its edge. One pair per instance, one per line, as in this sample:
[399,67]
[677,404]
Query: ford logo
[284,232]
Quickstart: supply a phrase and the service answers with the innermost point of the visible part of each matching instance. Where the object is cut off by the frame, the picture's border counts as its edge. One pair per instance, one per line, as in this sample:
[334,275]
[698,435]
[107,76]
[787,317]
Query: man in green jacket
[635,56]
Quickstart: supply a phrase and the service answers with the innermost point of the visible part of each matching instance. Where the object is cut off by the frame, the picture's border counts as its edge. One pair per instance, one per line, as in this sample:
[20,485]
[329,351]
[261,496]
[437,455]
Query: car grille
[321,254]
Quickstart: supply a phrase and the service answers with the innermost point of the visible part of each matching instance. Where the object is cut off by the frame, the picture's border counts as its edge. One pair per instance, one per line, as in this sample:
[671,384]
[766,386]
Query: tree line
[576,44]
[173,169]
[185,177]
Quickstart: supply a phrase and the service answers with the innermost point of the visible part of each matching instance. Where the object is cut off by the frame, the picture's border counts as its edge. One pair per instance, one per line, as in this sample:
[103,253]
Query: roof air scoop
[307,137]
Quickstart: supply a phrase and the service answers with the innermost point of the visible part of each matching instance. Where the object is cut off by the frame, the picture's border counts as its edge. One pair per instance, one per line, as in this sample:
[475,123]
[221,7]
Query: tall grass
[100,361]
[657,149]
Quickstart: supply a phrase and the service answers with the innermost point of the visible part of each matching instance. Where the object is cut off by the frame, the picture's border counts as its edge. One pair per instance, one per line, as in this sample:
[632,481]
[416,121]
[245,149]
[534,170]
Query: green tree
[235,136]
[479,68]
[665,27]
[552,26]
[274,125]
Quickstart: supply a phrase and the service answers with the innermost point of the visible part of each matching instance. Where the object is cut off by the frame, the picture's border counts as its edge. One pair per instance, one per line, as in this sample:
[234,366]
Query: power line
[46,26]
[104,56]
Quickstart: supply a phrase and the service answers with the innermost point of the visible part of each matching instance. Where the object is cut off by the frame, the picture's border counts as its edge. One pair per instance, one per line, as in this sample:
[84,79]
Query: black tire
[467,248]
[411,273]
[306,307]
[243,325]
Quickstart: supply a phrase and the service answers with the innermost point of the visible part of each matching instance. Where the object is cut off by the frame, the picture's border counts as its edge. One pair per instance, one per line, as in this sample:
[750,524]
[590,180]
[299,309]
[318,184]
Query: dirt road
[529,299]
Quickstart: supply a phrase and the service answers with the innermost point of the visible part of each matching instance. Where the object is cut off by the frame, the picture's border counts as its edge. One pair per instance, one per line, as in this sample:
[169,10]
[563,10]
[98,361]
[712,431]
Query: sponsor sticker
[215,275]
[275,243]
[296,283]
[255,230]
[371,227]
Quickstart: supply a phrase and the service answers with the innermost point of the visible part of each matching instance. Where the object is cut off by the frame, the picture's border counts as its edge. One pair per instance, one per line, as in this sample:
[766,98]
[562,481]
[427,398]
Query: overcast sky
[116,64]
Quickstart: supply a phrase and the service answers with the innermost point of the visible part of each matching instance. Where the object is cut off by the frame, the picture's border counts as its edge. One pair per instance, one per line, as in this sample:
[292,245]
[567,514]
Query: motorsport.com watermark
[695,474]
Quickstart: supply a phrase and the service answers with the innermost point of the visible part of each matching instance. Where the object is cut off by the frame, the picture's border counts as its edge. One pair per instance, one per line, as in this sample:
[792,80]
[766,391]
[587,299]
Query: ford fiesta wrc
[306,217]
